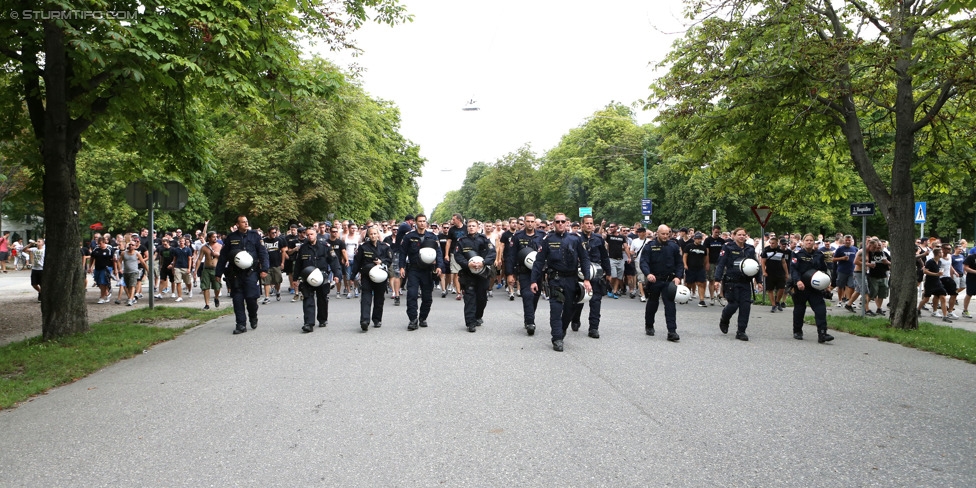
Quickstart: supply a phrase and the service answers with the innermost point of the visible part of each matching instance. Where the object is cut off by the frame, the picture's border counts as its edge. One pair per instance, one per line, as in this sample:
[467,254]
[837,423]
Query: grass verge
[33,366]
[940,339]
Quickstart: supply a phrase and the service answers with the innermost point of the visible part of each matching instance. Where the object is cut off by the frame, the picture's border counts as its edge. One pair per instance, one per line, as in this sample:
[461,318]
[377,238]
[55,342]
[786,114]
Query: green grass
[33,366]
[940,339]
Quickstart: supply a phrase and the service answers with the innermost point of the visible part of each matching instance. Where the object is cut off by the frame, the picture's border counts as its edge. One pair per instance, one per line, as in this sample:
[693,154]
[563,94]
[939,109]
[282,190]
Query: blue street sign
[646,206]
[584,211]
[920,212]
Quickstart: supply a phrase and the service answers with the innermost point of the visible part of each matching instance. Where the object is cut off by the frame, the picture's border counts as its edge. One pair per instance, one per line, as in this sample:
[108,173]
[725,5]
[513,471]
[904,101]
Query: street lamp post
[645,174]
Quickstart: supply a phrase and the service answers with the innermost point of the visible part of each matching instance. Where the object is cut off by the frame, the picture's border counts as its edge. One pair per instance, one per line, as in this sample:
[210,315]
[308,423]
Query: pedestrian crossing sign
[920,212]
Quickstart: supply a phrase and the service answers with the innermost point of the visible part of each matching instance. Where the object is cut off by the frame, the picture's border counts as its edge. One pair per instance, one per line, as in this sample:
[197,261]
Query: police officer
[243,283]
[661,263]
[474,281]
[319,254]
[805,262]
[737,287]
[420,275]
[371,253]
[596,248]
[521,243]
[562,254]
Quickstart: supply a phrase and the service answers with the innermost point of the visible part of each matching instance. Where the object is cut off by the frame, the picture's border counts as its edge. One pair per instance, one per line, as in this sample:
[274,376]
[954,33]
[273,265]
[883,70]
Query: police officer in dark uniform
[319,254]
[662,265]
[597,249]
[562,254]
[373,252]
[805,262]
[243,283]
[474,282]
[737,287]
[523,242]
[420,275]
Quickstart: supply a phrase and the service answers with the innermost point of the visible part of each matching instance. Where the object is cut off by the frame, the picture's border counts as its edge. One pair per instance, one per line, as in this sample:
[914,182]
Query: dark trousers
[420,282]
[739,296]
[312,295]
[530,301]
[244,292]
[653,293]
[815,299]
[599,290]
[372,294]
[561,310]
[475,298]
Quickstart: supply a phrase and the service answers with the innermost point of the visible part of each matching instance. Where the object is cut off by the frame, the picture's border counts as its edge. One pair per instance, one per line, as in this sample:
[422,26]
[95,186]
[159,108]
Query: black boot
[823,336]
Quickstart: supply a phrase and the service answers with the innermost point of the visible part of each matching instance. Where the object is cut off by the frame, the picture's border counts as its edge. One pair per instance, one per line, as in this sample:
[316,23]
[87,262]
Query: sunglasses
[559,221]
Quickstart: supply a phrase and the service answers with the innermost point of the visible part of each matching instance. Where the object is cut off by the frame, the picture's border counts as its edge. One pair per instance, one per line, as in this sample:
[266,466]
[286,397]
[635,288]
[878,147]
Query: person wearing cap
[738,287]
[774,259]
[661,264]
[243,283]
[695,260]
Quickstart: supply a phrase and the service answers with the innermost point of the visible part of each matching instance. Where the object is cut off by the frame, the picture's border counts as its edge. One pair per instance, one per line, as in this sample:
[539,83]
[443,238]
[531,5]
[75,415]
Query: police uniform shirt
[662,259]
[367,253]
[521,240]
[236,242]
[320,255]
[596,247]
[731,253]
[477,244]
[412,243]
[803,261]
[563,254]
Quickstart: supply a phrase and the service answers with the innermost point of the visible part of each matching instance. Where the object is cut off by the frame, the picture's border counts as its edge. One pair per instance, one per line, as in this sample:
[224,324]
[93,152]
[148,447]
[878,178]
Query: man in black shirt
[695,261]
[714,245]
[774,259]
[616,249]
[275,244]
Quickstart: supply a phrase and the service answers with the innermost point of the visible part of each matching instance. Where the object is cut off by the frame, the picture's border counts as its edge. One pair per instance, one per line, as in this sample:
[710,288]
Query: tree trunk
[63,310]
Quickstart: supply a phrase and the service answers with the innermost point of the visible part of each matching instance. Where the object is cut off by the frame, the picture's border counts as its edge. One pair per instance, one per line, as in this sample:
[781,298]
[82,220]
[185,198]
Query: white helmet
[477,265]
[682,294]
[748,267]
[820,280]
[428,255]
[378,274]
[530,259]
[243,260]
[581,294]
[314,277]
[593,272]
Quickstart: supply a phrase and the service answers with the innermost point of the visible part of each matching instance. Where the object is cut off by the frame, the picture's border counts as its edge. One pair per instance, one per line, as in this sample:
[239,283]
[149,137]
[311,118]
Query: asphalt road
[444,407]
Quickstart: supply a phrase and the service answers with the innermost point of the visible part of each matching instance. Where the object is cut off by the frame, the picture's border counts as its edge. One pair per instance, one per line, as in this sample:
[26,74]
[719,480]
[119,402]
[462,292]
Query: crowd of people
[567,263]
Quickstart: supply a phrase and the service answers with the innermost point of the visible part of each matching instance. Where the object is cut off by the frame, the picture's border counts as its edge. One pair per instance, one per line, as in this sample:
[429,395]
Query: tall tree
[77,68]
[813,84]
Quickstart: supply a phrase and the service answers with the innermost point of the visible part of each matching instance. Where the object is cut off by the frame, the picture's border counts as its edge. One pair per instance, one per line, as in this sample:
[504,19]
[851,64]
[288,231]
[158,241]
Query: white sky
[536,68]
